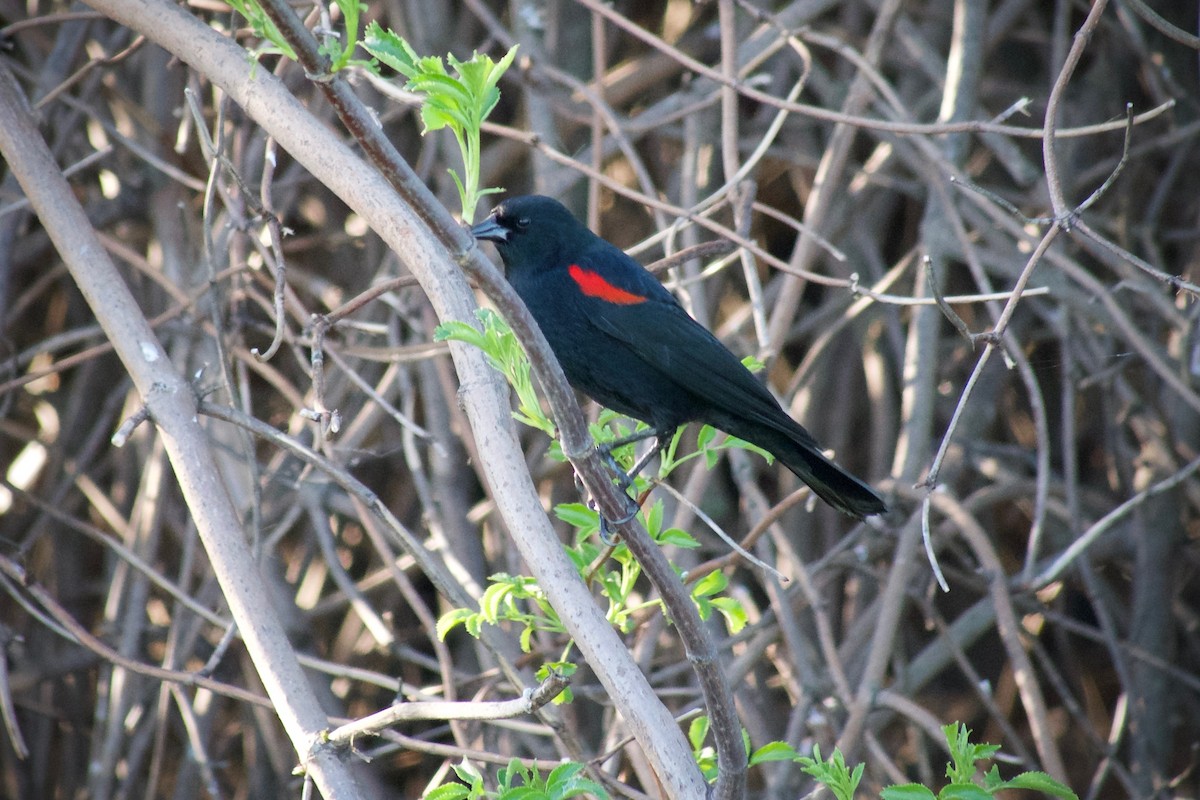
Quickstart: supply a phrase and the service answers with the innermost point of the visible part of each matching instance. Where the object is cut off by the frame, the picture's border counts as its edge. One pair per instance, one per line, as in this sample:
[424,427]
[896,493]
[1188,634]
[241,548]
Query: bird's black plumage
[625,341]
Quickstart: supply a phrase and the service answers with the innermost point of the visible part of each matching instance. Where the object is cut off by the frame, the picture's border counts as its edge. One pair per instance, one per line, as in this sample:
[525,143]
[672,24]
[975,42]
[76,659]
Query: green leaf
[562,775]
[964,754]
[495,597]
[473,74]
[698,732]
[435,117]
[677,537]
[704,441]
[351,12]
[706,757]
[1039,782]
[579,787]
[581,556]
[733,611]
[508,775]
[443,88]
[834,773]
[710,584]
[907,791]
[494,76]
[742,444]
[430,66]
[449,791]
[462,194]
[753,364]
[460,102]
[577,515]
[654,518]
[524,793]
[264,28]
[467,772]
[564,668]
[390,49]
[504,353]
[773,751]
[452,619]
[964,791]
[459,331]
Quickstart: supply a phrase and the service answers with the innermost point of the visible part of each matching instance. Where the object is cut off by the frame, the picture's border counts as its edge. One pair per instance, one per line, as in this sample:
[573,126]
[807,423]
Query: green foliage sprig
[833,773]
[504,353]
[262,26]
[338,49]
[842,781]
[519,782]
[518,599]
[964,758]
[460,101]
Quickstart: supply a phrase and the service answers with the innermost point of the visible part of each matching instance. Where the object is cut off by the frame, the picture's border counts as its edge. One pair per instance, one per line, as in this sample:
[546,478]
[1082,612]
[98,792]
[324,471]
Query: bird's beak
[490,230]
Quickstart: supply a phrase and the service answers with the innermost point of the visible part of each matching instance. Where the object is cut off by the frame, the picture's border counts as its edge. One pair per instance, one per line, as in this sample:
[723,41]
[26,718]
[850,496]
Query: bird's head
[532,232]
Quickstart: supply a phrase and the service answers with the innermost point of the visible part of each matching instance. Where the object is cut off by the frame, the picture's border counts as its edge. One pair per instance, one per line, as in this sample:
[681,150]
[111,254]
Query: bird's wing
[603,268]
[693,358]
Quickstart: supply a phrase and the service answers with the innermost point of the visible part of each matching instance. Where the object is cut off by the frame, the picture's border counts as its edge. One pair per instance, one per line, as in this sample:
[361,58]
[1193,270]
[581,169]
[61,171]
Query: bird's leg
[606,526]
[625,479]
[640,464]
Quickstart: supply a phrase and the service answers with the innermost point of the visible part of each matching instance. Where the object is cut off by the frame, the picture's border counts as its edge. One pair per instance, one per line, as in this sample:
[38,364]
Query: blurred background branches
[884,172]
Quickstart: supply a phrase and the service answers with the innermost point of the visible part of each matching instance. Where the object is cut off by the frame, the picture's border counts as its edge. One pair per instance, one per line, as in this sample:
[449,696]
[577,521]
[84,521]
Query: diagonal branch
[172,405]
[431,243]
[576,440]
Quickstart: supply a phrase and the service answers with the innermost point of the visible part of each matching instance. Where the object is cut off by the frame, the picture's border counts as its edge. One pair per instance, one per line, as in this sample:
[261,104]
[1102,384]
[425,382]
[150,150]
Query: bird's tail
[801,454]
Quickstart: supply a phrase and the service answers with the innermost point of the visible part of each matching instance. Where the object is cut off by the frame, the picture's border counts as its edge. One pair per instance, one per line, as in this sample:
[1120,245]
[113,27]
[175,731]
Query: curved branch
[432,245]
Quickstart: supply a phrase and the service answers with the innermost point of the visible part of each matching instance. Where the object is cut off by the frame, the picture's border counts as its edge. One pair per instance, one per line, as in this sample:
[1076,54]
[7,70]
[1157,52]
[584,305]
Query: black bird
[625,341]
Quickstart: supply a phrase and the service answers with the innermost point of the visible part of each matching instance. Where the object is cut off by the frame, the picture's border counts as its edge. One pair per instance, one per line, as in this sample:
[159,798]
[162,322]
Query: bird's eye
[522,222]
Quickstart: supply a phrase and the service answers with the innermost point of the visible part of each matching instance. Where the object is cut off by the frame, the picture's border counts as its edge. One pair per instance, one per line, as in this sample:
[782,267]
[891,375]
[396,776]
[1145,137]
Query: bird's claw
[623,478]
[606,534]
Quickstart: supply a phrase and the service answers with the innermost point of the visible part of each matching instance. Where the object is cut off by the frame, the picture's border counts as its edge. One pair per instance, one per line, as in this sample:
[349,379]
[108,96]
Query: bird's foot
[625,482]
[624,479]
[606,525]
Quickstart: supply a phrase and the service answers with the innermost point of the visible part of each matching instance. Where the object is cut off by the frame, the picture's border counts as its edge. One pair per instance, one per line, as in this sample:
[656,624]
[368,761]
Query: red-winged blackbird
[625,341]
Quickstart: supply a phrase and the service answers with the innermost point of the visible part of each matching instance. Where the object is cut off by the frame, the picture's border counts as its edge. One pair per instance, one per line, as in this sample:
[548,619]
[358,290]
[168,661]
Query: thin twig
[372,724]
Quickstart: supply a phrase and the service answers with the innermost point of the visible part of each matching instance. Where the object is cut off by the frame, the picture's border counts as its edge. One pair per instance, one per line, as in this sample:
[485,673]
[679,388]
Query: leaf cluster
[517,781]
[339,50]
[962,767]
[504,353]
[519,600]
[459,98]
[961,770]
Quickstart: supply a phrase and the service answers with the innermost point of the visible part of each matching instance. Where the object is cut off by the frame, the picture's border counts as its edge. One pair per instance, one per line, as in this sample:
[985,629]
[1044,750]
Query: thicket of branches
[947,284]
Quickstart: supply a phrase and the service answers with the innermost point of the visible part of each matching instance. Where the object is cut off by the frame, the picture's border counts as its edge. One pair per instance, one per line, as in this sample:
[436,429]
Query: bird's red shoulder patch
[593,284]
